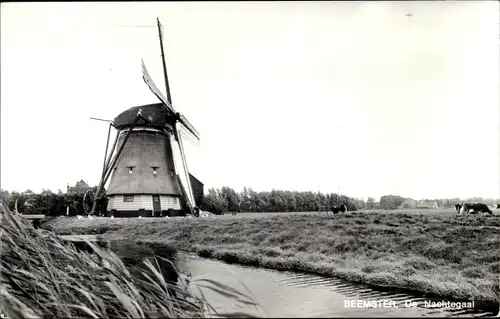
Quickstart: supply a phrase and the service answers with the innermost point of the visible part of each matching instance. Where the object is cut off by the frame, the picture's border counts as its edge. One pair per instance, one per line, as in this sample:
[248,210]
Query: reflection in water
[290,294]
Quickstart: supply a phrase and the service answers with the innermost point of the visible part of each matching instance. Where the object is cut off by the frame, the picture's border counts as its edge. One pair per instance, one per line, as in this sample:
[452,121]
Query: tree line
[216,201]
[48,202]
[226,199]
[391,202]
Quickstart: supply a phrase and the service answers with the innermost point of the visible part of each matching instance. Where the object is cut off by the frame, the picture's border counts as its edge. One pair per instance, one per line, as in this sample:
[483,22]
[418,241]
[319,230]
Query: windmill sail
[152,86]
[186,171]
[187,136]
[182,173]
[187,125]
[168,106]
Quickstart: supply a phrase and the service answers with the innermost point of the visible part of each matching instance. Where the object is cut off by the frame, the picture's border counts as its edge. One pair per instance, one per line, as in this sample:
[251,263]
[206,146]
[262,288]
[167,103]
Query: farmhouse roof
[81,183]
[79,188]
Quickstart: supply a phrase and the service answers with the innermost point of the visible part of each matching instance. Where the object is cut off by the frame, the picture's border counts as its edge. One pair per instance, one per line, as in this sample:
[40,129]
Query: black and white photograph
[250,159]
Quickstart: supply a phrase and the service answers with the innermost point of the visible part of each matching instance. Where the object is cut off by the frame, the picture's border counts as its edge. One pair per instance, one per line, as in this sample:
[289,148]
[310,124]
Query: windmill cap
[156,113]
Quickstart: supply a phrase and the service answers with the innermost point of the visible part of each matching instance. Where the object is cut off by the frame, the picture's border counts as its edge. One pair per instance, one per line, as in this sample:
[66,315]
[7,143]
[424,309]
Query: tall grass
[43,277]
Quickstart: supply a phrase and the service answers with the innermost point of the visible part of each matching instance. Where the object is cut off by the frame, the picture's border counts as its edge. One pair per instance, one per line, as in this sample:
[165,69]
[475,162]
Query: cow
[335,209]
[466,208]
[458,206]
[483,208]
[343,208]
[498,206]
[476,208]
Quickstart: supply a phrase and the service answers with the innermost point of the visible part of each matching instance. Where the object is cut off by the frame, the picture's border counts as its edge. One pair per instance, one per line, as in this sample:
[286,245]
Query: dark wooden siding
[197,189]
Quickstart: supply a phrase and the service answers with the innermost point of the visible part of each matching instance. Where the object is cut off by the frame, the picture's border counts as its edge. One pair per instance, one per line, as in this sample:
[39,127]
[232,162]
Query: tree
[359,203]
[391,201]
[4,195]
[370,203]
[214,202]
[232,199]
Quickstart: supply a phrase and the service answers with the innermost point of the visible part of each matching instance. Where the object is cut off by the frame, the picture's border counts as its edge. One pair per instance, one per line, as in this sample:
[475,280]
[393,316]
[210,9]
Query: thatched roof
[142,153]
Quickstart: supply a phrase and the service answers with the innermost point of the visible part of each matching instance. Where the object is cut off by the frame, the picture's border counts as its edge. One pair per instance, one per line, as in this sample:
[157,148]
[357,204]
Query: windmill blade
[182,173]
[152,86]
[163,62]
[188,137]
[98,119]
[189,188]
[185,123]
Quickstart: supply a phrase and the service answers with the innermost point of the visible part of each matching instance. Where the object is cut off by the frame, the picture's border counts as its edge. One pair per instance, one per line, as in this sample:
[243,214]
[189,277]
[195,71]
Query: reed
[41,276]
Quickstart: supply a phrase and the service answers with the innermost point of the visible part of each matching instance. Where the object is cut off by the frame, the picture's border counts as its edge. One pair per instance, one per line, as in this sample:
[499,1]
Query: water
[289,294]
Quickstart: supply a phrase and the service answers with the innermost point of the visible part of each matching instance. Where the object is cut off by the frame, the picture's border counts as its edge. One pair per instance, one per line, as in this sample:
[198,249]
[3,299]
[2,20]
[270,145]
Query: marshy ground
[438,253]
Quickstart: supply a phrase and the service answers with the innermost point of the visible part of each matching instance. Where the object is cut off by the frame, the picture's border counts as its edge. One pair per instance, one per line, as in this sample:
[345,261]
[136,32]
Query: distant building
[408,203]
[428,204]
[80,188]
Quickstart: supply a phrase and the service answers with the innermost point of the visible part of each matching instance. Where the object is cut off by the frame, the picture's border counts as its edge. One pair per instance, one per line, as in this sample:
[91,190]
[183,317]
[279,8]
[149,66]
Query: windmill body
[144,179]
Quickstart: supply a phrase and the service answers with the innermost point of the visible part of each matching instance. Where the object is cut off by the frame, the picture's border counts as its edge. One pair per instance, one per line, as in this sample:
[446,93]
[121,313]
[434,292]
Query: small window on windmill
[171,172]
[128,198]
[130,169]
[155,169]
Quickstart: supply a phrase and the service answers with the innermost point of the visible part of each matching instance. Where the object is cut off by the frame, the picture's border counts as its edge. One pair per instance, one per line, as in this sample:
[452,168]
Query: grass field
[439,211]
[431,251]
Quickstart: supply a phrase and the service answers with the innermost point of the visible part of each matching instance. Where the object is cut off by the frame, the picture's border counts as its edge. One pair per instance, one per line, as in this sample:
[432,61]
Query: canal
[289,294]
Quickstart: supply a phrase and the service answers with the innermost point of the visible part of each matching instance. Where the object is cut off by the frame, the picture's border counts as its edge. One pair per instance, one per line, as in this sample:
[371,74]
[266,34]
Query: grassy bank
[43,277]
[447,255]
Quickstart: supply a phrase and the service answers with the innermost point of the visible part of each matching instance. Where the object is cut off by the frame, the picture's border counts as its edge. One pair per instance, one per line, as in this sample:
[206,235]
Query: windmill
[147,177]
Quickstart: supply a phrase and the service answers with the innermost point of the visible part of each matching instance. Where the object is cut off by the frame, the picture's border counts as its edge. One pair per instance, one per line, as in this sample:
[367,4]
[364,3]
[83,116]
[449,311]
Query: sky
[357,97]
